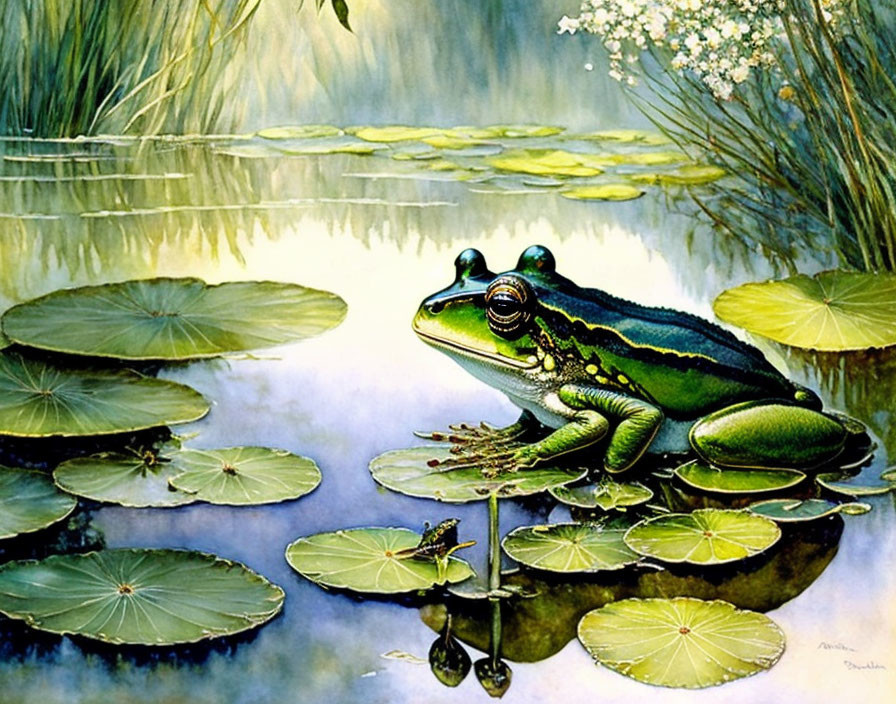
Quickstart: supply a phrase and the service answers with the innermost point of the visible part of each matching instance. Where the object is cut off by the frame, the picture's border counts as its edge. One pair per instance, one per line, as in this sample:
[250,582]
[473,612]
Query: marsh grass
[72,67]
[810,144]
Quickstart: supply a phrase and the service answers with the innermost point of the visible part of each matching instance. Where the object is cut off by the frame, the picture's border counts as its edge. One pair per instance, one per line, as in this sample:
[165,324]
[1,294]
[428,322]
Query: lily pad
[681,642]
[546,162]
[370,560]
[30,502]
[795,510]
[516,131]
[833,311]
[330,145]
[608,191]
[570,547]
[137,481]
[704,537]
[688,175]
[172,318]
[659,158]
[41,400]
[299,132]
[606,495]
[737,481]
[395,133]
[833,482]
[448,141]
[628,135]
[239,476]
[138,596]
[409,472]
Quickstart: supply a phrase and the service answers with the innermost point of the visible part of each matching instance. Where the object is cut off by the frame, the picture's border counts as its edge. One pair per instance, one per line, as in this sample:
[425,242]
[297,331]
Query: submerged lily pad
[833,311]
[608,191]
[30,502]
[371,560]
[172,318]
[704,537]
[41,400]
[834,482]
[737,481]
[546,162]
[570,547]
[409,472]
[606,494]
[138,596]
[128,480]
[681,642]
[299,132]
[239,476]
[628,135]
[795,510]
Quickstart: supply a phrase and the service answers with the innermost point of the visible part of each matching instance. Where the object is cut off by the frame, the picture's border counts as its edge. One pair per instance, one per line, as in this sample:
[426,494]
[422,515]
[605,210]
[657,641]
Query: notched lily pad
[136,480]
[704,537]
[172,319]
[41,400]
[299,132]
[681,642]
[795,510]
[737,481]
[409,472]
[241,476]
[374,560]
[138,596]
[570,547]
[608,191]
[606,495]
[833,311]
[30,502]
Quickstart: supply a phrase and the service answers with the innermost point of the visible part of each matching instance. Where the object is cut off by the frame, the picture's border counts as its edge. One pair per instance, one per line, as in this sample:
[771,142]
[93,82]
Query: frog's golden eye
[508,305]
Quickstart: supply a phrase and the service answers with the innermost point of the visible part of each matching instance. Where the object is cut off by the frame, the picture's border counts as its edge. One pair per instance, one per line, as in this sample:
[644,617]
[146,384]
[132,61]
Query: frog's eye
[508,306]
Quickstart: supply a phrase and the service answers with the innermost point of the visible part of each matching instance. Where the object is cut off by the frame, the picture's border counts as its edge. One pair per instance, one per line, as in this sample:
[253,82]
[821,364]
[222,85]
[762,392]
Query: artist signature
[849,664]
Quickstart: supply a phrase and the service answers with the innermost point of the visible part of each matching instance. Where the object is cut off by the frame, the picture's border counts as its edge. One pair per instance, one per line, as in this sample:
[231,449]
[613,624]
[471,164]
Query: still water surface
[106,212]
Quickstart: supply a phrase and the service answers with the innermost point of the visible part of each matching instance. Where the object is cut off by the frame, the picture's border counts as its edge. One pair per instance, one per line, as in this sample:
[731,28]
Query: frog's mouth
[455,348]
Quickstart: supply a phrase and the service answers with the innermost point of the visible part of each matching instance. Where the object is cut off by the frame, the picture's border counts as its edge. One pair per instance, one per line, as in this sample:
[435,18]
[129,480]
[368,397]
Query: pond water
[372,230]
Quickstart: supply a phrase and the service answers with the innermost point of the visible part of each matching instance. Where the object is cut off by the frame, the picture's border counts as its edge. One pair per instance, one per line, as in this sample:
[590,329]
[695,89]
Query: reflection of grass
[86,66]
[813,145]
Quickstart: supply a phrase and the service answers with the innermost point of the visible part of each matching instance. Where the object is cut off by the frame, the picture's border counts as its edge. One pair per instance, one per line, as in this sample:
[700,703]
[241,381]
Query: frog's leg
[639,422]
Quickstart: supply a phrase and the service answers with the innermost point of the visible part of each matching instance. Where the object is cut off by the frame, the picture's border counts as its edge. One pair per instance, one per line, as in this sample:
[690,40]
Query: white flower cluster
[720,41]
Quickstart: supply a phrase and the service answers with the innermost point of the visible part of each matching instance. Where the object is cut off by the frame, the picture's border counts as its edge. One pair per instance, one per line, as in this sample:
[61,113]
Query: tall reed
[811,142]
[71,67]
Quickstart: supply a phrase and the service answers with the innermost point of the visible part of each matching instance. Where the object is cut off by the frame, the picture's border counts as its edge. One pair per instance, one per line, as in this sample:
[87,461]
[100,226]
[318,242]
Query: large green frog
[587,364]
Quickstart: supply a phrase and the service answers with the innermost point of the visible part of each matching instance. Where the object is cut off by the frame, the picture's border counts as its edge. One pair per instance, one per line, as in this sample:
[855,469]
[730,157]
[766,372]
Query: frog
[591,368]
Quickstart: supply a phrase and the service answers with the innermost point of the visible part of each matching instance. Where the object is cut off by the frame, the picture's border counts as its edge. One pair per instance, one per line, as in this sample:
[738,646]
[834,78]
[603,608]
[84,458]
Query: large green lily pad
[370,560]
[30,502]
[605,494]
[409,472]
[681,642]
[796,511]
[134,480]
[570,547]
[172,318]
[704,537]
[138,596]
[240,476]
[833,311]
[737,481]
[548,162]
[607,191]
[41,400]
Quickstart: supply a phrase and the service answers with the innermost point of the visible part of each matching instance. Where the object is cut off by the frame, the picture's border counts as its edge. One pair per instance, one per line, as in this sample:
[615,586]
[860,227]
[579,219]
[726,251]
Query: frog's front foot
[482,439]
[492,463]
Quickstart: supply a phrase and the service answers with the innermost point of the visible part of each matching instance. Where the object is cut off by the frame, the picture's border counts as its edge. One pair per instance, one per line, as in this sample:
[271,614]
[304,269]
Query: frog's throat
[455,349]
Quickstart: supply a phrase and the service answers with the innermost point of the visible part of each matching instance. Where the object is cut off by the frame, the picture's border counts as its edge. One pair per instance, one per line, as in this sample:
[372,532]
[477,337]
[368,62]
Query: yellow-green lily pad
[546,162]
[796,510]
[607,191]
[373,560]
[138,596]
[38,399]
[29,502]
[628,135]
[737,481]
[411,472]
[688,175]
[299,132]
[681,642]
[833,311]
[704,537]
[449,141]
[244,476]
[516,131]
[395,133]
[605,494]
[570,547]
[134,480]
[172,318]
[649,158]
